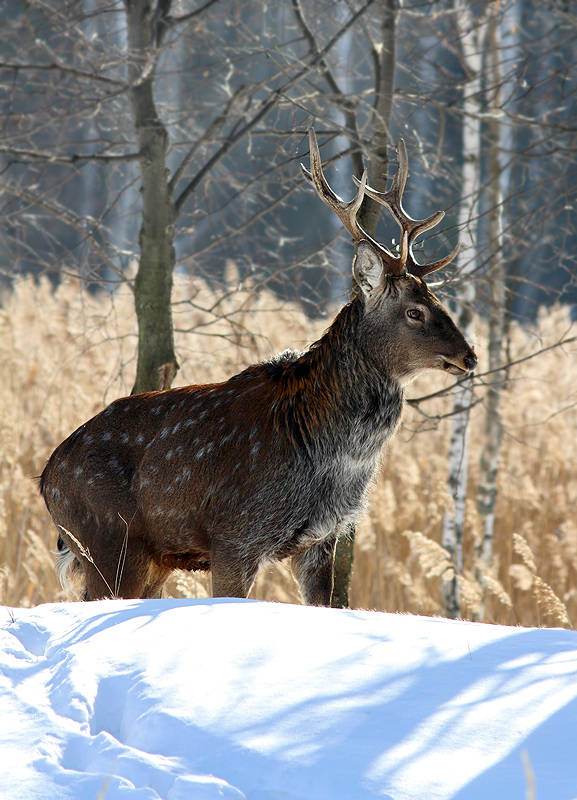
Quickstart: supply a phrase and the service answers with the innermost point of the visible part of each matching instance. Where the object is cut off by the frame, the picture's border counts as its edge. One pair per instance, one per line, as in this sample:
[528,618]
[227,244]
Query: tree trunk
[343,568]
[368,216]
[384,60]
[454,521]
[156,365]
[487,488]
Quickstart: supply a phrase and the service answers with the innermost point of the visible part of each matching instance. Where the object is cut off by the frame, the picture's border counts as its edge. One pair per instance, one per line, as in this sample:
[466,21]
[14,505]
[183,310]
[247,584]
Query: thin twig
[85,553]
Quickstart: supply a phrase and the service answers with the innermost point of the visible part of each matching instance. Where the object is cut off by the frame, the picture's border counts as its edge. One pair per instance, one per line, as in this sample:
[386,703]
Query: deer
[277,461]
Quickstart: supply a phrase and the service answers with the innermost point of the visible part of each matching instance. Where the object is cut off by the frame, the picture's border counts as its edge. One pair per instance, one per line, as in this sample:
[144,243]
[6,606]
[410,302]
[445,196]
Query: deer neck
[335,392]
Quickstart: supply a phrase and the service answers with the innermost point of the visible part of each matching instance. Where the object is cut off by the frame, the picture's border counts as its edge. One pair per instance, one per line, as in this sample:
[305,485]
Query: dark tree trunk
[343,569]
[156,366]
[384,61]
[370,211]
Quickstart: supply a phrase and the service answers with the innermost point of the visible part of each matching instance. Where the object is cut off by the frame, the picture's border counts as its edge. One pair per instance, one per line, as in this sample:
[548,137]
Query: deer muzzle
[463,367]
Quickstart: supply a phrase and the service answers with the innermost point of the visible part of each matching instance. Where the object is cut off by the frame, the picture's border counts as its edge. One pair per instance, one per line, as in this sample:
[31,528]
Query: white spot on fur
[106,436]
[78,472]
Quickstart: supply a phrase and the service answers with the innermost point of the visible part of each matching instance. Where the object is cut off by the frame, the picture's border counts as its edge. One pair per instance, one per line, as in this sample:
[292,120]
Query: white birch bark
[487,488]
[471,32]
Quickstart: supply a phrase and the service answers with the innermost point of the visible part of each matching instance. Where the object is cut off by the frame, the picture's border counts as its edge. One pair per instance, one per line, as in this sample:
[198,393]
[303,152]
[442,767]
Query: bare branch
[266,106]
[62,68]
[74,158]
[66,217]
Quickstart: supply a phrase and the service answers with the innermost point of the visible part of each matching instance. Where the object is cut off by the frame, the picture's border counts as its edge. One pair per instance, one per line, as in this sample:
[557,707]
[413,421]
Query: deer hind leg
[116,565]
[313,569]
[232,572]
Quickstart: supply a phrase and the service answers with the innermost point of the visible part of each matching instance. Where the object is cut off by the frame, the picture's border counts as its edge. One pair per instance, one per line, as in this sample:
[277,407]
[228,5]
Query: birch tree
[495,280]
[469,40]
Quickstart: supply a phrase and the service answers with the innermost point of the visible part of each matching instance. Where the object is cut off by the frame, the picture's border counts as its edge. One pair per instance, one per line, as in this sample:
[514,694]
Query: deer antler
[411,228]
[393,200]
[346,212]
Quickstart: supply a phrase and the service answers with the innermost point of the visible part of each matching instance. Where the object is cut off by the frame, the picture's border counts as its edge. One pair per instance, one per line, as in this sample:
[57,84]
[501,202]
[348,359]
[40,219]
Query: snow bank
[181,699]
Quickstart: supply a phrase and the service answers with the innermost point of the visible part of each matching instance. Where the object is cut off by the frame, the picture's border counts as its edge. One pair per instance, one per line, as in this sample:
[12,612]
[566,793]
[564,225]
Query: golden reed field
[66,354]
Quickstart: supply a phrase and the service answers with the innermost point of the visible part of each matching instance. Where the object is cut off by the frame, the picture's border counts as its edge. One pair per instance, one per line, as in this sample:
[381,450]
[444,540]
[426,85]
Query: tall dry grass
[66,354]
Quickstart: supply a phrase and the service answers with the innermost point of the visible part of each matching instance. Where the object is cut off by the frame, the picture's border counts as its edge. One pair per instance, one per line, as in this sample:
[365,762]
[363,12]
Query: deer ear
[368,268]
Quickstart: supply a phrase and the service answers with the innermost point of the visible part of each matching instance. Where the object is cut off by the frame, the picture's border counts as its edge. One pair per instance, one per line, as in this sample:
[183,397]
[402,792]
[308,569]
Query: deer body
[273,463]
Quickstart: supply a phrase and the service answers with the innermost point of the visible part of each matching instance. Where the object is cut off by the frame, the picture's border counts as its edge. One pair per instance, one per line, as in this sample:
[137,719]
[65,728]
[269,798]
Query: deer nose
[470,361]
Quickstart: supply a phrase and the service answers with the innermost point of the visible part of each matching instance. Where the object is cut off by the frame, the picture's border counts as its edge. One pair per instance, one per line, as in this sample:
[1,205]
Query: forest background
[156,228]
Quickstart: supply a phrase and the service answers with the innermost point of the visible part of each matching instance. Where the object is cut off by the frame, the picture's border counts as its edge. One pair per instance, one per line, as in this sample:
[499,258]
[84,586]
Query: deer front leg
[313,569]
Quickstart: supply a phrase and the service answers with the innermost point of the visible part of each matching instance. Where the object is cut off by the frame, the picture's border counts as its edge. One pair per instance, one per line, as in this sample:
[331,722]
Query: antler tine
[346,212]
[420,270]
[411,228]
[393,199]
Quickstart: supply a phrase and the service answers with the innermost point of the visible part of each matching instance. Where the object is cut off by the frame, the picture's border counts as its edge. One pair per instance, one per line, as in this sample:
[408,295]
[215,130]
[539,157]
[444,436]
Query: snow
[206,699]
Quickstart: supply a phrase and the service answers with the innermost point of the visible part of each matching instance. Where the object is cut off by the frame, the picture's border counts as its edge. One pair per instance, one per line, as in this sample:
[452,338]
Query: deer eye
[415,313]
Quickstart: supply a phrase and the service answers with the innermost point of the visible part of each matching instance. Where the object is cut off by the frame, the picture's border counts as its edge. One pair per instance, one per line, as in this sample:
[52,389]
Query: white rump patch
[64,561]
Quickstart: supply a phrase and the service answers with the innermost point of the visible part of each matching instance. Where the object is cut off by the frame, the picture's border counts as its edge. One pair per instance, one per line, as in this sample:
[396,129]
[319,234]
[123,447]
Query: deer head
[407,324]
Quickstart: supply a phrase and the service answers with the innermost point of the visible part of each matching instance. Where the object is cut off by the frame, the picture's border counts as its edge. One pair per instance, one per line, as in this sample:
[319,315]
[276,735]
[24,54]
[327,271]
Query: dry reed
[68,353]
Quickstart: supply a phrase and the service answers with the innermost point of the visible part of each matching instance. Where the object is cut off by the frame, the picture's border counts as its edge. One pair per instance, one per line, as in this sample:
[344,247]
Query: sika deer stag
[274,462]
